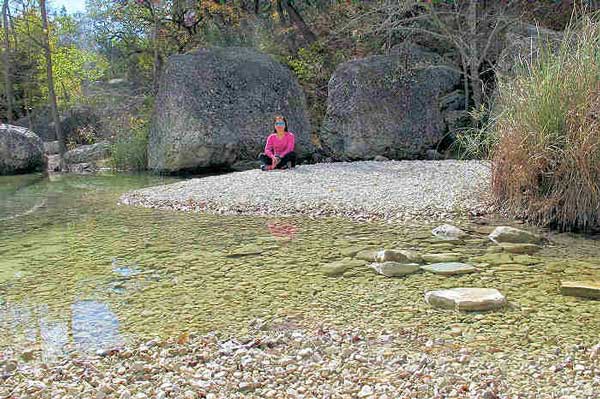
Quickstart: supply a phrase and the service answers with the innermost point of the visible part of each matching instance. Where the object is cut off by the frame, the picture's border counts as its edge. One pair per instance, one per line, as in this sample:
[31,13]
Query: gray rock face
[216,106]
[387,105]
[88,153]
[507,234]
[21,150]
[51,147]
[470,299]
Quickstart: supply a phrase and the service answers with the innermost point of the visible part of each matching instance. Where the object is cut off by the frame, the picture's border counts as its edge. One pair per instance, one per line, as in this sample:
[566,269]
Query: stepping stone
[395,269]
[521,249]
[513,235]
[585,289]
[448,232]
[442,257]
[450,268]
[397,255]
[468,299]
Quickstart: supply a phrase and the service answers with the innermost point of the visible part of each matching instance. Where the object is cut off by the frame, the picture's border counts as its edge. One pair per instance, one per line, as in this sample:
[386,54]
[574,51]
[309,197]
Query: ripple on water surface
[82,273]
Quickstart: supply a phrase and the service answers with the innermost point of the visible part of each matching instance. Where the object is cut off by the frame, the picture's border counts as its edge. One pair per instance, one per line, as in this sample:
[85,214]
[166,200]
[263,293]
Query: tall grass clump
[546,160]
[129,147]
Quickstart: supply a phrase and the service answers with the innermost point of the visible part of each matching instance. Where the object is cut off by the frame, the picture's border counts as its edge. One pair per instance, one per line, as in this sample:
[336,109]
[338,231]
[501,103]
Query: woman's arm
[268,146]
[289,145]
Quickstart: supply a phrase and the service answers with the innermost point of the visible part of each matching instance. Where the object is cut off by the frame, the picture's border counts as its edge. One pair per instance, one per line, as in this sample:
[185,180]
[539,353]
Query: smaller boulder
[584,289]
[380,158]
[88,153]
[448,232]
[468,299]
[395,269]
[21,150]
[507,234]
[368,255]
[449,269]
[51,147]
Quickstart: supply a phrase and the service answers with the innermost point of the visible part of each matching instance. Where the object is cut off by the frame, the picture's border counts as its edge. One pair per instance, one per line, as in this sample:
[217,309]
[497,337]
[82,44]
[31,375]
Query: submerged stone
[442,257]
[250,249]
[395,269]
[450,268]
[368,255]
[522,249]
[397,255]
[503,234]
[339,267]
[585,289]
[448,232]
[469,299]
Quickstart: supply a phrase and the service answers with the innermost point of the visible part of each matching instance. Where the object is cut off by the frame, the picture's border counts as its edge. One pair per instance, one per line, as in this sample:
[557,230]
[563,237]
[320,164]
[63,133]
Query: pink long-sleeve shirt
[281,147]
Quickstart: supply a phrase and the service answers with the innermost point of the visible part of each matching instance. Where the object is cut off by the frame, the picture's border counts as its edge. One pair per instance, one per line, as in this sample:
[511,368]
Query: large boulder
[21,150]
[388,105]
[215,106]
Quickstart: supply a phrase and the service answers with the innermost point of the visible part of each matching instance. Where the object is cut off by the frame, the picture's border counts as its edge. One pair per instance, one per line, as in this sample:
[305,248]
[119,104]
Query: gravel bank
[391,190]
[285,362]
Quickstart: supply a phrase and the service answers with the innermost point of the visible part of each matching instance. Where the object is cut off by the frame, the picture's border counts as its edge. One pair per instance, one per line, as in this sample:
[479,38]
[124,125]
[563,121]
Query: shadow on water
[83,273]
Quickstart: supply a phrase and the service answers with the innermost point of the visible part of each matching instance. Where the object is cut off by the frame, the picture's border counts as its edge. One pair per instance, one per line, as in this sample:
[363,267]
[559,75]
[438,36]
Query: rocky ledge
[391,190]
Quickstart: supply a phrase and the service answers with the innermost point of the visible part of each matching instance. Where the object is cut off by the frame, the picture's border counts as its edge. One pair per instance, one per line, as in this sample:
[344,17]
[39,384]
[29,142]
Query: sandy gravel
[391,190]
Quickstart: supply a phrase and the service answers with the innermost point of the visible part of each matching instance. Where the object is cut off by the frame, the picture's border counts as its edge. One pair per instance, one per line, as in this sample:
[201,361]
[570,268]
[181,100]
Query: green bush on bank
[546,163]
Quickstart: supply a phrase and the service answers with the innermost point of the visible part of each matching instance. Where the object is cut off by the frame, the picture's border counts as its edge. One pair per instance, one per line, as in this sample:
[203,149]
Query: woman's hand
[276,161]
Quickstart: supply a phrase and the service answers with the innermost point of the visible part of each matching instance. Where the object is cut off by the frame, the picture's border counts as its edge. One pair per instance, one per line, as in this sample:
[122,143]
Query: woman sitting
[279,150]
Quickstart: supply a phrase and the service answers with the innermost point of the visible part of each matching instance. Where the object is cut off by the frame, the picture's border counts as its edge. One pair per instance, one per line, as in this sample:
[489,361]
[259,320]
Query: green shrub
[546,164]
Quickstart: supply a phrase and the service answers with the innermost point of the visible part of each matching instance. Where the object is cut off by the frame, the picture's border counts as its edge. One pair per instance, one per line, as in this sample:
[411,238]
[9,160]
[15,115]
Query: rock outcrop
[390,106]
[215,106]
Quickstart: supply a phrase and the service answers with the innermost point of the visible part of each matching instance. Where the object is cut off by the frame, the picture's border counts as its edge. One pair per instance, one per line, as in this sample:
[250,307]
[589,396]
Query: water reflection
[95,326]
[283,230]
[90,326]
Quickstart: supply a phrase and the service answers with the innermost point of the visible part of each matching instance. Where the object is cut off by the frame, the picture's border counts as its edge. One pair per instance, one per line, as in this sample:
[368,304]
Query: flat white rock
[466,299]
[449,268]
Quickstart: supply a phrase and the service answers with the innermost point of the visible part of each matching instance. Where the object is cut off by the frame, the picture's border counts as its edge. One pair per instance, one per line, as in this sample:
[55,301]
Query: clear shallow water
[79,272]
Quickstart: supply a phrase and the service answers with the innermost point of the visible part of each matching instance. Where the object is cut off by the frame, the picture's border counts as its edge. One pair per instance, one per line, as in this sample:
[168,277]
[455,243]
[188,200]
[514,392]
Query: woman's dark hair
[275,120]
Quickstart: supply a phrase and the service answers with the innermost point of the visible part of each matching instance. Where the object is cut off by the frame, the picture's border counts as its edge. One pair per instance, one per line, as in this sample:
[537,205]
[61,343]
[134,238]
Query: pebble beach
[391,190]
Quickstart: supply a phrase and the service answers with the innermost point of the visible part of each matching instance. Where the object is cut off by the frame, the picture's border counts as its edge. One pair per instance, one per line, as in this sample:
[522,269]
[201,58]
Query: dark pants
[289,157]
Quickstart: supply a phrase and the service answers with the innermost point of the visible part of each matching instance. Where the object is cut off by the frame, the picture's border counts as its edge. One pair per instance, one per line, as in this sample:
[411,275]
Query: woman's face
[279,125]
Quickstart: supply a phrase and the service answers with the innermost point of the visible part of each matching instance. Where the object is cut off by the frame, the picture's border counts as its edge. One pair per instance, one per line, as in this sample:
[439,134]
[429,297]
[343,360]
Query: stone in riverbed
[339,267]
[441,257]
[448,232]
[397,255]
[245,250]
[450,268]
[395,269]
[527,249]
[507,234]
[368,255]
[469,299]
[585,289]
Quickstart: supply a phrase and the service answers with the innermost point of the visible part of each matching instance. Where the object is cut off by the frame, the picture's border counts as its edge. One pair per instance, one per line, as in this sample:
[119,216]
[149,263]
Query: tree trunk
[474,56]
[157,65]
[298,21]
[51,93]
[6,61]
